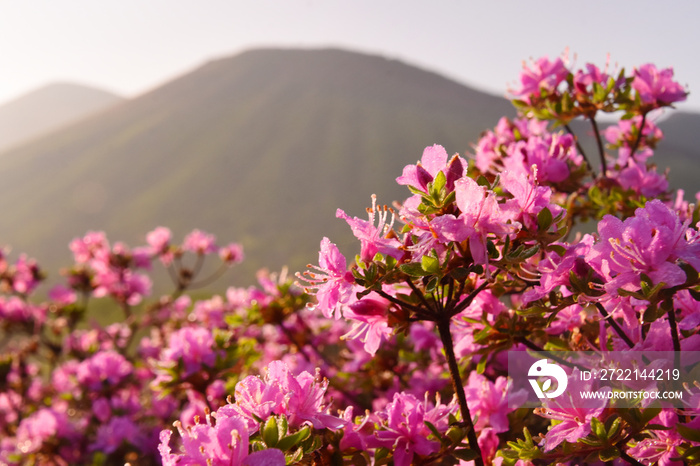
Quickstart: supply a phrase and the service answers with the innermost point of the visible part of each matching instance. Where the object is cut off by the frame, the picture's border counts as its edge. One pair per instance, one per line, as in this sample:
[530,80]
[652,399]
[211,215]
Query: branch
[578,146]
[639,135]
[614,325]
[415,309]
[535,347]
[443,326]
[601,151]
[468,300]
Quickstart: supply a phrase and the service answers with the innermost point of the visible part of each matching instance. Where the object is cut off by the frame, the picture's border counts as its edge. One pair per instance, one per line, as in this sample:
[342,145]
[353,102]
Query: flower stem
[601,151]
[614,325]
[639,136]
[578,146]
[443,326]
[674,330]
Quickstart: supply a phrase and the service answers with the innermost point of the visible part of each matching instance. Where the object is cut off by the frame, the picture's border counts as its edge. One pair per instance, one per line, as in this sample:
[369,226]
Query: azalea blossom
[330,281]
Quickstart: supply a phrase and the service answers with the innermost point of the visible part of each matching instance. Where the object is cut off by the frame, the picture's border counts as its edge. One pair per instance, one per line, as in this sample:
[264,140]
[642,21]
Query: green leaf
[270,432]
[415,190]
[439,182]
[283,425]
[381,453]
[292,440]
[459,274]
[450,198]
[295,457]
[483,181]
[649,414]
[544,219]
[456,434]
[526,254]
[413,269]
[481,367]
[430,264]
[692,453]
[312,444]
[598,429]
[614,427]
[650,314]
[431,285]
[434,430]
[609,454]
[465,454]
[688,433]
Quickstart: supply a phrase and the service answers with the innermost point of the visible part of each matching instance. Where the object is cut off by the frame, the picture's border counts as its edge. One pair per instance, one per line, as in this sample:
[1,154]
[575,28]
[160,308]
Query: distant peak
[68,89]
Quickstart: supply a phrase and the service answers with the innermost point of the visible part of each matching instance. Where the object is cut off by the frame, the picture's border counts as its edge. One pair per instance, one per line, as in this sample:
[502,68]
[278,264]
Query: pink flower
[370,316]
[26,275]
[36,429]
[118,430]
[552,156]
[254,398]
[159,240]
[232,253]
[480,216]
[555,269]
[225,443]
[649,243]
[123,284]
[661,448]
[625,132]
[567,408]
[490,148]
[639,178]
[403,427]
[488,401]
[657,88]
[434,160]
[15,309]
[543,75]
[105,367]
[583,80]
[331,282]
[374,239]
[300,398]
[528,198]
[85,248]
[193,346]
[200,242]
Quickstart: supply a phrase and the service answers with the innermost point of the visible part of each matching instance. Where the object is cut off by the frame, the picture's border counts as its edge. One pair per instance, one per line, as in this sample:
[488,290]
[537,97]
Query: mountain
[47,109]
[680,151]
[260,148]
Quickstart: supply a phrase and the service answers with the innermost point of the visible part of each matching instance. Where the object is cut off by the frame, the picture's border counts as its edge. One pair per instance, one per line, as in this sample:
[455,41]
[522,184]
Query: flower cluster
[482,258]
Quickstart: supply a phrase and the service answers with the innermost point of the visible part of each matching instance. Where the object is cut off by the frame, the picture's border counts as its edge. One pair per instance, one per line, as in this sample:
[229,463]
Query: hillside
[259,148]
[680,151]
[47,109]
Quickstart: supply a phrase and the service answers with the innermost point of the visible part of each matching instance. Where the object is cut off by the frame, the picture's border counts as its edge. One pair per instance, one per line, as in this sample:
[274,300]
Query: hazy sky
[130,46]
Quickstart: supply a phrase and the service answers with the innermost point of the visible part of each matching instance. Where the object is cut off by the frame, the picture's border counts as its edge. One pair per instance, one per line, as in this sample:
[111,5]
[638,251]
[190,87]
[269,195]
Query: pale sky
[131,46]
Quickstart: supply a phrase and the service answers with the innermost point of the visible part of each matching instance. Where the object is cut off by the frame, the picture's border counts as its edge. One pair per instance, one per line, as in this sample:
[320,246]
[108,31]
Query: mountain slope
[47,109]
[259,148]
[680,151]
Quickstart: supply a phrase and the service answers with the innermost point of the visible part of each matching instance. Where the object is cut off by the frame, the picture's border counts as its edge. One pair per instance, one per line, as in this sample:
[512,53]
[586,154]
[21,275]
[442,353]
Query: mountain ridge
[49,108]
